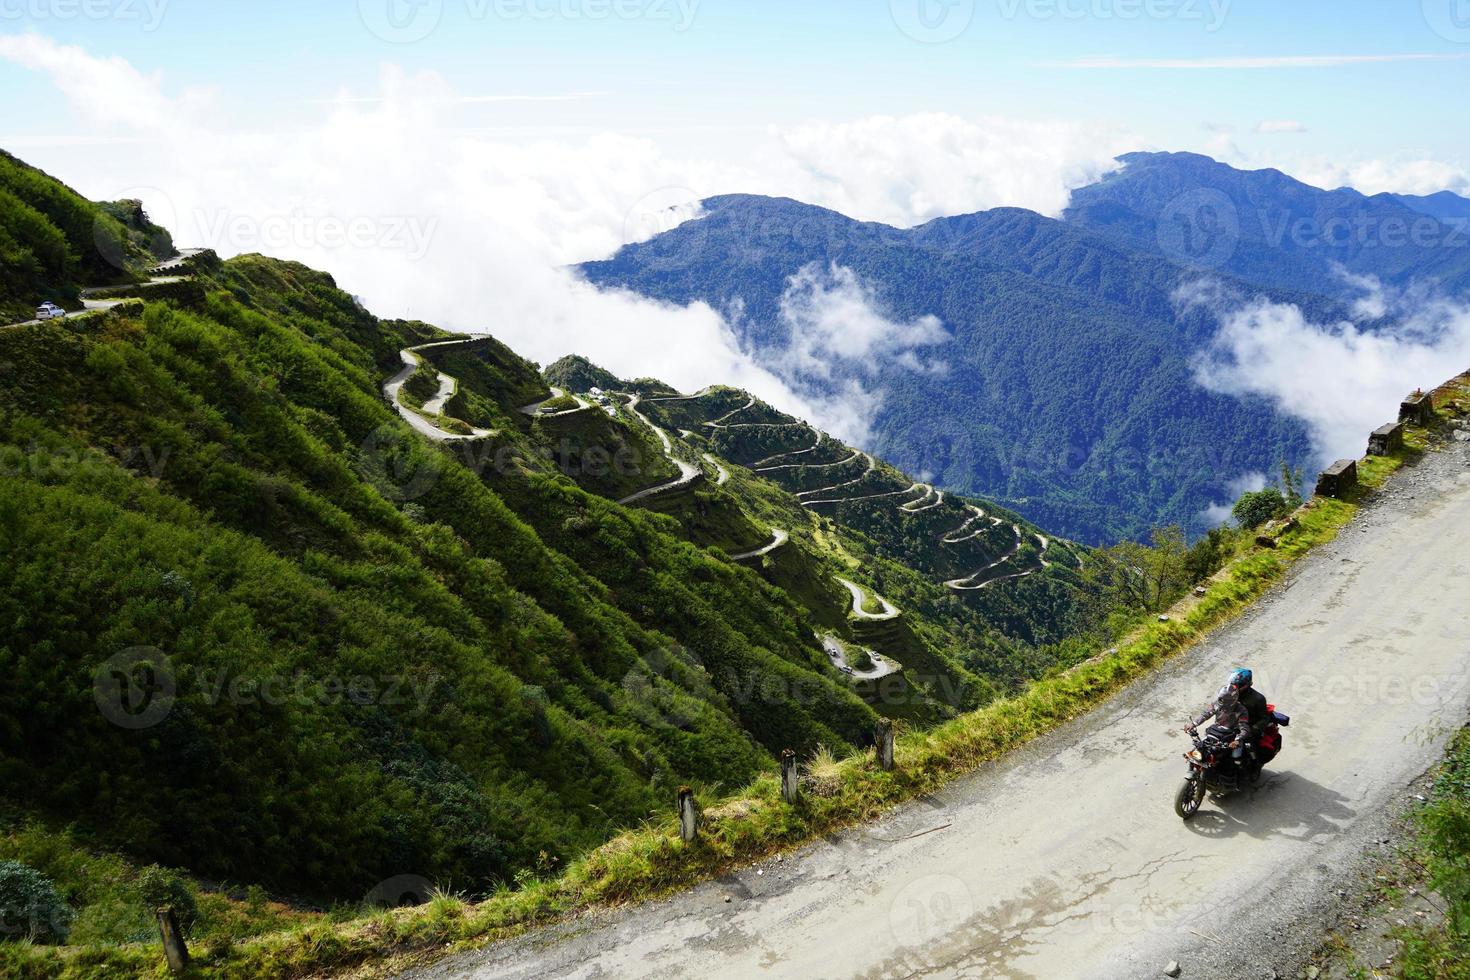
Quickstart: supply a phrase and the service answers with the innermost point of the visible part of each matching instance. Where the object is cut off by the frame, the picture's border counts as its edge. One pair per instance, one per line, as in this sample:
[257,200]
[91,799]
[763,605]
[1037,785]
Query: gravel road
[1066,859]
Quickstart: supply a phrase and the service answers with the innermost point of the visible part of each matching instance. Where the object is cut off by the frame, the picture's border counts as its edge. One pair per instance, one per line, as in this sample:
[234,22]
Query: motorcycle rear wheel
[1191,794]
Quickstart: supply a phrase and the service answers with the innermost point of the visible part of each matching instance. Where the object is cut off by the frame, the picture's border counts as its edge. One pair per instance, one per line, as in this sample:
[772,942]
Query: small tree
[1254,509]
[30,908]
[1292,482]
[1149,576]
[159,887]
[1208,554]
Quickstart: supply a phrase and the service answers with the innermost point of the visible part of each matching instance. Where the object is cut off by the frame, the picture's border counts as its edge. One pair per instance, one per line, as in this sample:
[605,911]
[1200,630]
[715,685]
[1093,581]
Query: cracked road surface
[1066,859]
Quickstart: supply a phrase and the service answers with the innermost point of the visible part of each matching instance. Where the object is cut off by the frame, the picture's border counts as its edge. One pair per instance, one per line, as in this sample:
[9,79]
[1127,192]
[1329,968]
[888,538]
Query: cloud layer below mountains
[1342,380]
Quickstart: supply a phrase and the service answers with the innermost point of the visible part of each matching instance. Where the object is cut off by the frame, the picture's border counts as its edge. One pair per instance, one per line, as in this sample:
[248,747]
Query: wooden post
[789,789]
[688,815]
[174,950]
[883,736]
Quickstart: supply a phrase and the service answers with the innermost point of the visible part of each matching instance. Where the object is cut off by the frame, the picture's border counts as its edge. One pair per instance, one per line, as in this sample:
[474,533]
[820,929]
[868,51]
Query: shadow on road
[1284,804]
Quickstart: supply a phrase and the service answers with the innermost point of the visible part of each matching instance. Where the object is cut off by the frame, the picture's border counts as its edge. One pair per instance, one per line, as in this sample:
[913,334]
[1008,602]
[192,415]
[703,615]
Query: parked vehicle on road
[1217,768]
[49,311]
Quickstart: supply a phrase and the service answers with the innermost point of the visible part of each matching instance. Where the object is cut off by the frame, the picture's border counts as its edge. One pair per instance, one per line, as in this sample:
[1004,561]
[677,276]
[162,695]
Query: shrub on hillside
[159,887]
[1254,509]
[30,907]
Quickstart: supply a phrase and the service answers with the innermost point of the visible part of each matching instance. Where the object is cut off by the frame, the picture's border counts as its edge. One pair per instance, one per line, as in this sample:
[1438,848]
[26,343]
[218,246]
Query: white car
[49,311]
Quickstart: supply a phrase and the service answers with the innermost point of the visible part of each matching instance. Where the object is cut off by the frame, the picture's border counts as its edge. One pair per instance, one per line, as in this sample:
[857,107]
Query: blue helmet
[1240,678]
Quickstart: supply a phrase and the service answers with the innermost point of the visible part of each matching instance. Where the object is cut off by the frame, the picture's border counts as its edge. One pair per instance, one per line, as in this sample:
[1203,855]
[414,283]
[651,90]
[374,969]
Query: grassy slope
[53,241]
[267,543]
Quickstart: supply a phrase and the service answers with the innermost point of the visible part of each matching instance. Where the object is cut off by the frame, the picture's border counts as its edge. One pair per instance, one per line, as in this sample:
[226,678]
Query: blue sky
[708,69]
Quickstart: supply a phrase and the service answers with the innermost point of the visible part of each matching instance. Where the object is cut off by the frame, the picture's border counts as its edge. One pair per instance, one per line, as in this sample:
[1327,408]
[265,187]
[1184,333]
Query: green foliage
[575,373]
[1148,577]
[754,823]
[1256,508]
[1209,554]
[159,887]
[30,908]
[1444,838]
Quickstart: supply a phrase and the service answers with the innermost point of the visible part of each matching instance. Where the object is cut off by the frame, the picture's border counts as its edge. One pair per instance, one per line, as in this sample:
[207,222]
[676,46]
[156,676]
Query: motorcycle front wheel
[1191,794]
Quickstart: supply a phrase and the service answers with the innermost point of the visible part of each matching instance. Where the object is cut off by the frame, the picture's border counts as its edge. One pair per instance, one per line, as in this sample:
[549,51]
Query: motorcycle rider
[1233,711]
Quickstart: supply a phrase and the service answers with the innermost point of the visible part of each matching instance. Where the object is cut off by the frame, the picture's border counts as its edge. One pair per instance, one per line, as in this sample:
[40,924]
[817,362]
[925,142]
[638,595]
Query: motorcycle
[1217,768]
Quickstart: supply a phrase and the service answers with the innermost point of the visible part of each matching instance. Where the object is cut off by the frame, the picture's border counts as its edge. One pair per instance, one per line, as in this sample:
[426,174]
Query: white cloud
[107,91]
[835,320]
[1385,176]
[420,218]
[1340,379]
[1277,126]
[910,169]
[837,331]
[1373,304]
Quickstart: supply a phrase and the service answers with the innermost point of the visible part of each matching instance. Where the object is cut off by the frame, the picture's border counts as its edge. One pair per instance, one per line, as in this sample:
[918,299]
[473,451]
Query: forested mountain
[1270,229]
[408,628]
[1448,207]
[1066,388]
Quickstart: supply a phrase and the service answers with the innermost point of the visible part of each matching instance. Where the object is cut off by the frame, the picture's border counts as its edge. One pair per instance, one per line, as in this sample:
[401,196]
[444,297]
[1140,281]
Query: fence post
[688,815]
[174,949]
[884,739]
[789,790]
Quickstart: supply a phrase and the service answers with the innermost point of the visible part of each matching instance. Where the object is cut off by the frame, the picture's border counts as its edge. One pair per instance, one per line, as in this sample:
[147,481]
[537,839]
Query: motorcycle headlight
[1196,756]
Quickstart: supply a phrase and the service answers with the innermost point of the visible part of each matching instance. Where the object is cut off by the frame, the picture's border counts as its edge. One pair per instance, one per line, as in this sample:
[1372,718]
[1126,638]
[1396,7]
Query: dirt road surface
[1066,859]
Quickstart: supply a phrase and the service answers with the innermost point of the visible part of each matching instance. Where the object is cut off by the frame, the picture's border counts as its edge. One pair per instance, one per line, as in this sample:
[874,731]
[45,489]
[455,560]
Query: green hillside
[53,241]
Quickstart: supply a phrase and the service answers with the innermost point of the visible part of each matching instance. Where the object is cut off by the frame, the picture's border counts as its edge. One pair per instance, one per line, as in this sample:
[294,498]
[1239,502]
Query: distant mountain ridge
[1067,388]
[1280,232]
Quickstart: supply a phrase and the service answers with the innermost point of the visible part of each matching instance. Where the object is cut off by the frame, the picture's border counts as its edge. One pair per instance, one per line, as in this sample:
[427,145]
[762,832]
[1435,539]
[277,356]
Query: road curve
[890,611]
[968,584]
[778,538]
[534,409]
[837,652]
[762,463]
[688,472]
[447,385]
[1066,860]
[722,475]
